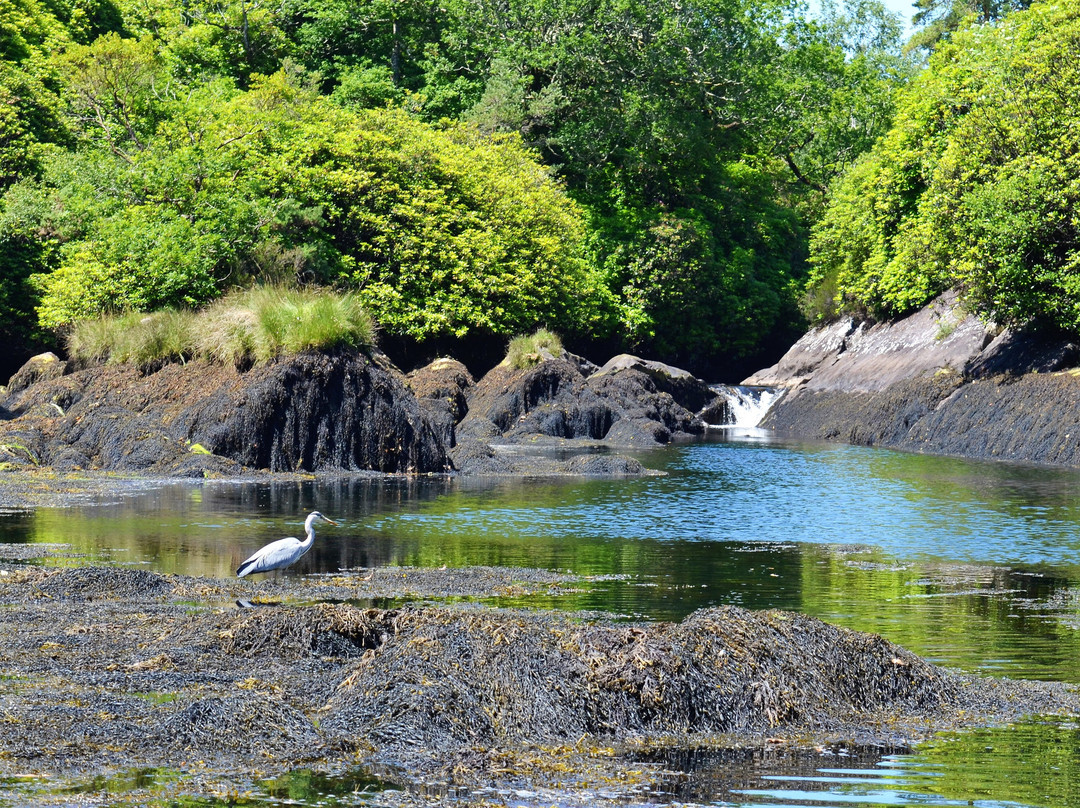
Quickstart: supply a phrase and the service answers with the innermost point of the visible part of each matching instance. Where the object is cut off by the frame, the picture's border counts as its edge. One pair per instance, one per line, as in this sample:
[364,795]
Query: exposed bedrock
[313,411]
[347,411]
[940,381]
[567,402]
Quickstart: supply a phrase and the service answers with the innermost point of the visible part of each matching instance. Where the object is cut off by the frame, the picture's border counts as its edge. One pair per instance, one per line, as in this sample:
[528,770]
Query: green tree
[440,231]
[976,186]
[692,132]
[383,41]
[938,20]
[392,147]
[33,132]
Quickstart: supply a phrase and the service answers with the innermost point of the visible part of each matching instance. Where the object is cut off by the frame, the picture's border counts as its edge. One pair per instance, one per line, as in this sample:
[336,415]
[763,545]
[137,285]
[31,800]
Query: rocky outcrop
[38,368]
[854,356]
[940,381]
[309,412]
[347,411]
[629,402]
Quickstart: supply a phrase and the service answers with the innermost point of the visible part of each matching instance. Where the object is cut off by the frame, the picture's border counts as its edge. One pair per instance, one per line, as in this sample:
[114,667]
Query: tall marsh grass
[526,350]
[242,328]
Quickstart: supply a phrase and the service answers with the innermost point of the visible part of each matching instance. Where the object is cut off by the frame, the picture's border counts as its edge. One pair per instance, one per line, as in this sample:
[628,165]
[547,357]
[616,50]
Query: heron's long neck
[310,540]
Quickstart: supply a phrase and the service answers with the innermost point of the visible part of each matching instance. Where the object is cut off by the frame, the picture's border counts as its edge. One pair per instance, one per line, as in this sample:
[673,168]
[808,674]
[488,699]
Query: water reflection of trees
[992,619]
[619,534]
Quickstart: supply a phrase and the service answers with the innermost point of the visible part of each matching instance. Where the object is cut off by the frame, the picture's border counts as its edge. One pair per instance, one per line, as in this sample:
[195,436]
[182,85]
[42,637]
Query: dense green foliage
[938,20]
[439,231]
[976,186]
[622,170]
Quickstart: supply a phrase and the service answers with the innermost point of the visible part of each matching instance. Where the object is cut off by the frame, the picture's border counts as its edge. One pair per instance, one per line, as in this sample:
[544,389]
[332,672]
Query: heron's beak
[331,521]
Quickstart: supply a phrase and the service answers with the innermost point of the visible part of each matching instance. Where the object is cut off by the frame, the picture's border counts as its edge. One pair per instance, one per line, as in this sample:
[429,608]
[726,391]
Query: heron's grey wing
[276,554]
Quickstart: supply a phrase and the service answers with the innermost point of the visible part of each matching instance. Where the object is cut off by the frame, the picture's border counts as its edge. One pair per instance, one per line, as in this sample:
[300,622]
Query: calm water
[973,565]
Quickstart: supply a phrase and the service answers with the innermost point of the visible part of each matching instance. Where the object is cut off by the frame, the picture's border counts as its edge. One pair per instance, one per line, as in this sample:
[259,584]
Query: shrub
[976,186]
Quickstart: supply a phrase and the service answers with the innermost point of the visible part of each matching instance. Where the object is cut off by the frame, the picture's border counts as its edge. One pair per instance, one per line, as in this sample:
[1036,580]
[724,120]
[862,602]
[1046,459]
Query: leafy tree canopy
[440,231]
[629,170]
[976,185]
[938,20]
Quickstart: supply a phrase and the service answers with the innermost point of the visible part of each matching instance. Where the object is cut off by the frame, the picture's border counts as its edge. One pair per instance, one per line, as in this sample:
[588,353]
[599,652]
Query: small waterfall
[746,406]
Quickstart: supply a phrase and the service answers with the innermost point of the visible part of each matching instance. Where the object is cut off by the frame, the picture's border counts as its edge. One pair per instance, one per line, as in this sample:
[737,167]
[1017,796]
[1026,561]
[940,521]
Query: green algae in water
[143,779]
[1036,763]
[309,787]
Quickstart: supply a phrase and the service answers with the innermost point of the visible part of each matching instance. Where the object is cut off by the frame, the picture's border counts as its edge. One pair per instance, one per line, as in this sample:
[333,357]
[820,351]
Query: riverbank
[941,381]
[217,684]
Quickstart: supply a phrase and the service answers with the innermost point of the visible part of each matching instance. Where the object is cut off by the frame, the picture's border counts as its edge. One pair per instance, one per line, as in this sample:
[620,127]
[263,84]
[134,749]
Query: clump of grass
[160,336]
[226,333]
[94,340]
[288,321]
[134,337]
[528,350]
[242,328]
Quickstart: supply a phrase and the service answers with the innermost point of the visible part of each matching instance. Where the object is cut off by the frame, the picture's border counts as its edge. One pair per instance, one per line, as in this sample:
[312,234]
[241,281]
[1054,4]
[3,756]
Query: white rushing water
[748,405]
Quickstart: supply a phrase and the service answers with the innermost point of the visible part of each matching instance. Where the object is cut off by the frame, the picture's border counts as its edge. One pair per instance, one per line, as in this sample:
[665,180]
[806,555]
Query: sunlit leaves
[976,185]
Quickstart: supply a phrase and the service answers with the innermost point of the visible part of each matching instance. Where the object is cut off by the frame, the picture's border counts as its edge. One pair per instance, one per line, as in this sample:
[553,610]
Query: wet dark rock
[605,465]
[42,367]
[1027,418]
[940,381]
[687,390]
[628,402]
[442,389]
[317,411]
[881,418]
[310,412]
[479,458]
[717,413]
[446,380]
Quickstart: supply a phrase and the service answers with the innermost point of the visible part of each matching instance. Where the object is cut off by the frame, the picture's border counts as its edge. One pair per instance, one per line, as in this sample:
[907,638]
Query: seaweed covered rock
[628,402]
[312,411]
[116,670]
[445,380]
[318,411]
[37,368]
[442,387]
[82,583]
[255,723]
[451,679]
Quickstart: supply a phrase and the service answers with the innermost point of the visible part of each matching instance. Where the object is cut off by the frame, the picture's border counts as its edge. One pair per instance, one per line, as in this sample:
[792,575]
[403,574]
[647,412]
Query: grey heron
[283,552]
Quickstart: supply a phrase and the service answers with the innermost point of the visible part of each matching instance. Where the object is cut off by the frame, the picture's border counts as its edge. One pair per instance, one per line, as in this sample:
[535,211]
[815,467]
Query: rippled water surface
[973,565]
